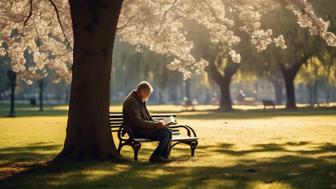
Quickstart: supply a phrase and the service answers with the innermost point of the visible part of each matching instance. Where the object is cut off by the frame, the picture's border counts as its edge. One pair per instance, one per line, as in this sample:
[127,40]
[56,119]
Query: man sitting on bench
[137,118]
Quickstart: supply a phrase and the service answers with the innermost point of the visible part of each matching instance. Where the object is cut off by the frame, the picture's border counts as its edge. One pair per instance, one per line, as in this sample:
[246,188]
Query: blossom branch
[30,12]
[60,23]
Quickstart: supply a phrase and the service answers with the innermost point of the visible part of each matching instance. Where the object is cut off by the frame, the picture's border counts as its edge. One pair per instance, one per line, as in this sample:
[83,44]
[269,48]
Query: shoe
[158,159]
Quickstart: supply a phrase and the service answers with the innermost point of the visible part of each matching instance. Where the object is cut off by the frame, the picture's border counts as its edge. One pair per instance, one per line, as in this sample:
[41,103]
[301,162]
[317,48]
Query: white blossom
[234,56]
[280,42]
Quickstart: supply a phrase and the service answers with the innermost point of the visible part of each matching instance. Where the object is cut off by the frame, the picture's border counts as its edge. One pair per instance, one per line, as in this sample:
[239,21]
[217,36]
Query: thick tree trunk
[223,81]
[289,74]
[290,92]
[225,103]
[88,134]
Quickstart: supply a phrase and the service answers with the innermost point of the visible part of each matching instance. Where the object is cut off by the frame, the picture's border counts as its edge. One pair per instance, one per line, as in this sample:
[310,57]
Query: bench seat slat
[175,138]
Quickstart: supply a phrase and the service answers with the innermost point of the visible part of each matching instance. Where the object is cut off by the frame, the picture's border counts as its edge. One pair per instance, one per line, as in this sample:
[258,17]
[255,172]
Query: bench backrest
[268,102]
[116,119]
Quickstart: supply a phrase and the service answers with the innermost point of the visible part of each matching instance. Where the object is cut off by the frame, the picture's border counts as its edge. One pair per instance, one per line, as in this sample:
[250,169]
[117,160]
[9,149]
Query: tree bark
[289,74]
[223,81]
[88,136]
[12,79]
[290,92]
[225,103]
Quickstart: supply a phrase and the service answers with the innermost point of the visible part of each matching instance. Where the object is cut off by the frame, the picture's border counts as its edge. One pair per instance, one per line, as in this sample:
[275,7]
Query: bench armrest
[186,127]
[122,132]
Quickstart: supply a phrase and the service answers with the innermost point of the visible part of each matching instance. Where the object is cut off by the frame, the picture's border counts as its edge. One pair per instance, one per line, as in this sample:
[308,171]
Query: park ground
[247,148]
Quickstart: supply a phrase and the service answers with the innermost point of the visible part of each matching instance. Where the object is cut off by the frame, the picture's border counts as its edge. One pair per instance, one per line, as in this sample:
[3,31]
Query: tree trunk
[289,74]
[12,79]
[41,94]
[88,134]
[223,81]
[290,92]
[225,103]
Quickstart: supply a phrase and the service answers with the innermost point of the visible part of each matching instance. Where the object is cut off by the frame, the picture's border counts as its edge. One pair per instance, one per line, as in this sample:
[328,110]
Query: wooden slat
[116,123]
[163,115]
[116,119]
[112,115]
[175,139]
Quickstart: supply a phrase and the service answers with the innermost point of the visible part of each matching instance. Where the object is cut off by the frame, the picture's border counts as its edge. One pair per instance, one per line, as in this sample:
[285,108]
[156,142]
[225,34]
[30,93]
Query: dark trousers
[163,135]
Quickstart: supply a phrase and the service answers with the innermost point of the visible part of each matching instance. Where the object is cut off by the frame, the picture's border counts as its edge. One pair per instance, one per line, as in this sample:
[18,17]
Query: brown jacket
[135,114]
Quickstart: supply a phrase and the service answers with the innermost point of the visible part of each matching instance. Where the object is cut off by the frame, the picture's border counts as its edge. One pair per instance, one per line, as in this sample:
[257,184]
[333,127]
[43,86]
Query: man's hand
[159,125]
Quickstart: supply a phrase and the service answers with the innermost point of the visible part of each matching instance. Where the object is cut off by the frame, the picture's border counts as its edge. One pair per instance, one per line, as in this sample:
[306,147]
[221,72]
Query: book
[168,120]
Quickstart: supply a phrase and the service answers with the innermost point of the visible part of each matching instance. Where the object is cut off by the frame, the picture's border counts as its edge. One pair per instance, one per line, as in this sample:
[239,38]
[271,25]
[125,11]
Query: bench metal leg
[136,148]
[120,146]
[193,146]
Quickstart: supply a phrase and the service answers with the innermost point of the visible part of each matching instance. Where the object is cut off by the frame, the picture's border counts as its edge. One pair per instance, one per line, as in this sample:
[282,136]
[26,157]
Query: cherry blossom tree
[159,25]
[75,39]
[62,34]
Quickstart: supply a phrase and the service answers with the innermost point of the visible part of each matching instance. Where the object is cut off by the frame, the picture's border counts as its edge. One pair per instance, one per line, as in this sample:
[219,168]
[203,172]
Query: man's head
[144,89]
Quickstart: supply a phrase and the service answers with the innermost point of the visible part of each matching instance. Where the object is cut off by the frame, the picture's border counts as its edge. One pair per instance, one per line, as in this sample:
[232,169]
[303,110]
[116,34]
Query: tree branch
[128,21]
[38,35]
[173,4]
[303,10]
[60,23]
[30,12]
[230,69]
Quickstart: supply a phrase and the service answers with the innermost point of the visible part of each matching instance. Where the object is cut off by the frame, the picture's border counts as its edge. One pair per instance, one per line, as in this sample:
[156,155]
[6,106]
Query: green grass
[247,148]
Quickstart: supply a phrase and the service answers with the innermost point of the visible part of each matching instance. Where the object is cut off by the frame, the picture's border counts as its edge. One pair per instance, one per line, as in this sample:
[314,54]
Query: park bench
[268,103]
[190,103]
[125,137]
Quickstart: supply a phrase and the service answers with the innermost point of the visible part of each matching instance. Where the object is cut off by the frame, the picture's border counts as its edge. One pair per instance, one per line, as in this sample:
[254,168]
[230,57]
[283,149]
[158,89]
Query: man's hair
[144,85]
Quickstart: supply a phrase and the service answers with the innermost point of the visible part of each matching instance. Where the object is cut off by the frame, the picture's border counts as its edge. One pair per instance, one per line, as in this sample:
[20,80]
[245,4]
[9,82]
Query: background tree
[300,47]
[4,66]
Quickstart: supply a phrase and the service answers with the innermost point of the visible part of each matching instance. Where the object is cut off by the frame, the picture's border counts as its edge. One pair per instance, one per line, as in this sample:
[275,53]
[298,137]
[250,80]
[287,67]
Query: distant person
[138,120]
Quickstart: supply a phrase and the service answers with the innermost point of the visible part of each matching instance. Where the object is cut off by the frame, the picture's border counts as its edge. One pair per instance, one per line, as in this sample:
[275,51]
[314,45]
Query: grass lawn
[249,148]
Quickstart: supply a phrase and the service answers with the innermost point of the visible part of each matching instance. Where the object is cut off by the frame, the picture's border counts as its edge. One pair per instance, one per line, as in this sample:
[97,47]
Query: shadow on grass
[229,149]
[32,153]
[287,171]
